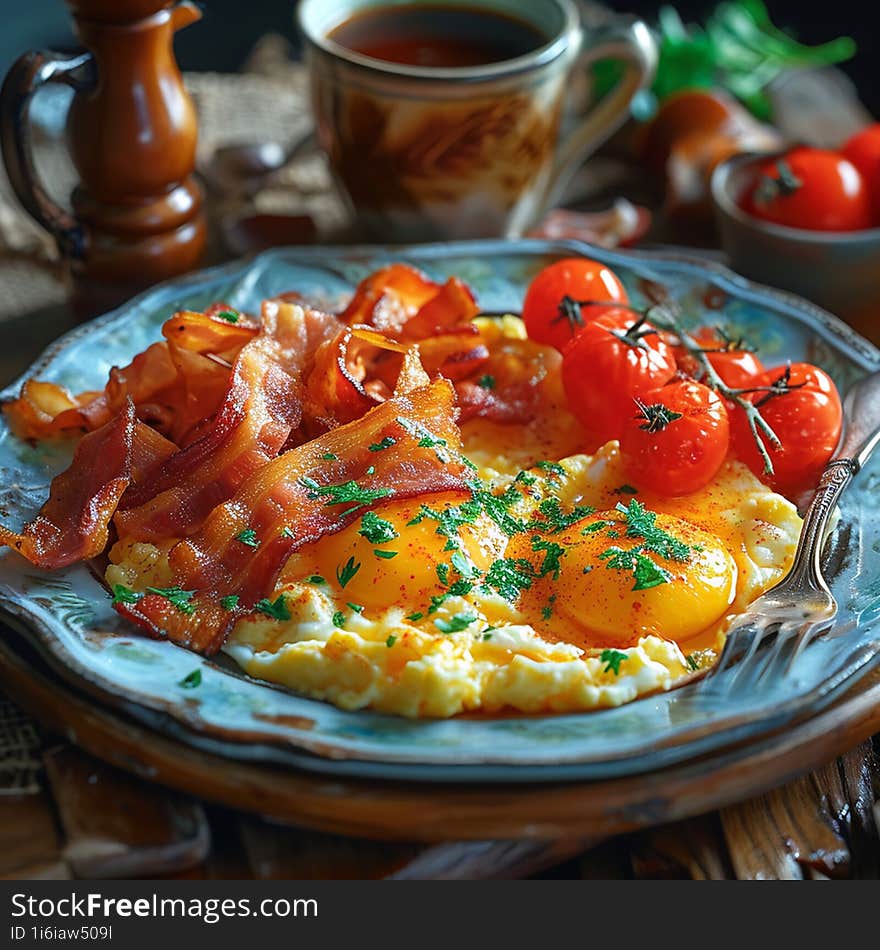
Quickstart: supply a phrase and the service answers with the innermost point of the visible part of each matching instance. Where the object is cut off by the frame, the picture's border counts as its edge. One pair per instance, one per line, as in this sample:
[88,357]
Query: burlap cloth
[266,102]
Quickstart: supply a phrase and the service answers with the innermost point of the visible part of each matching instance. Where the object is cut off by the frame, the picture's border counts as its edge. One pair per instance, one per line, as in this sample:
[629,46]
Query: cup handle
[27,75]
[631,42]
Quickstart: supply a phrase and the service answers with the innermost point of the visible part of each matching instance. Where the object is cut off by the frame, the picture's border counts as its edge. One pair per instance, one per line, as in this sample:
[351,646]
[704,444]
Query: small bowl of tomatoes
[808,220]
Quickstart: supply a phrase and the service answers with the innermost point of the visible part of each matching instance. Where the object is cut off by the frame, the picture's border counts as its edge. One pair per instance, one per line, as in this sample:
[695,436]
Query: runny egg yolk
[381,558]
[591,599]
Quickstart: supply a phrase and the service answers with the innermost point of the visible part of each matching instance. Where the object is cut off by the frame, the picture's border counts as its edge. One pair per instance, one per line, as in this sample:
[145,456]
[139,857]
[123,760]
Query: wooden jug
[136,214]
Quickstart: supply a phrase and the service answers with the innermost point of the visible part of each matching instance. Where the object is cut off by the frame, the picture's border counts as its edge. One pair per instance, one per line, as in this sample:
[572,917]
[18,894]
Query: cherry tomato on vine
[557,302]
[614,358]
[810,188]
[801,404]
[676,439]
[863,150]
[730,358]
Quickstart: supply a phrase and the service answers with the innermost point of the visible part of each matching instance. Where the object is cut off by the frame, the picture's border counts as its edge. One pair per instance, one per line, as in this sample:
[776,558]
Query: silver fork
[801,606]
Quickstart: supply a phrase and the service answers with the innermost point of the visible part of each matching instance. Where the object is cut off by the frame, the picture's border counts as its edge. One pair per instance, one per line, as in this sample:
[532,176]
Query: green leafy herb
[248,537]
[645,572]
[357,608]
[345,573]
[229,602]
[391,640]
[641,523]
[449,520]
[338,619]
[385,443]
[230,316]
[509,577]
[496,507]
[455,624]
[385,555]
[417,615]
[427,439]
[316,579]
[612,660]
[463,565]
[555,519]
[552,553]
[691,662]
[276,609]
[525,478]
[124,595]
[191,680]
[595,526]
[329,457]
[443,574]
[547,610]
[375,529]
[345,493]
[552,468]
[487,381]
[176,597]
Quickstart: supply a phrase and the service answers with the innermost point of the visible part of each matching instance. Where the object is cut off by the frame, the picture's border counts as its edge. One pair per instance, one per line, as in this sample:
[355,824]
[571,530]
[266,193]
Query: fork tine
[731,650]
[788,636]
[759,637]
[806,636]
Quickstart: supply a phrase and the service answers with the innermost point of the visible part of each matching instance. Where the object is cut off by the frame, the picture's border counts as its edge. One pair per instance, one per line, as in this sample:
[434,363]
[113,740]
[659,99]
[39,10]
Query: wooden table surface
[64,813]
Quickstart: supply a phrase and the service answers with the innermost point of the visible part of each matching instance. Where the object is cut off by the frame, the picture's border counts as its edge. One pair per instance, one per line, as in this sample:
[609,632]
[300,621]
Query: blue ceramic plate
[68,615]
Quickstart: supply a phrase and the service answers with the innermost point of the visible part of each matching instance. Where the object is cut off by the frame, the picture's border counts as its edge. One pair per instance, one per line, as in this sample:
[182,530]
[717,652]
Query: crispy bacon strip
[74,522]
[283,510]
[261,409]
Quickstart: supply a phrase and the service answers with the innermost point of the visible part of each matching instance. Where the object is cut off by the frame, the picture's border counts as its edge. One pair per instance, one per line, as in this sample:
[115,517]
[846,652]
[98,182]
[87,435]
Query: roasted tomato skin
[807,417]
[737,366]
[615,358]
[677,438]
[575,279]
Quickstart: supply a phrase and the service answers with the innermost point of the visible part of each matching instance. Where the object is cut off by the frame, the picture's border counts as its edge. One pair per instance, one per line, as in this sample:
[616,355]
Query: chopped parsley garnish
[691,662]
[455,624]
[646,573]
[427,439]
[385,555]
[509,577]
[547,610]
[496,507]
[612,660]
[449,520]
[276,609]
[375,529]
[487,381]
[552,468]
[124,595]
[338,619]
[329,457]
[525,478]
[597,526]
[345,493]
[443,574]
[641,523]
[555,519]
[463,565]
[488,635]
[248,537]
[415,616]
[345,573]
[391,640]
[230,316]
[229,602]
[176,597]
[316,579]
[191,680]
[385,443]
[357,608]
[287,533]
[552,553]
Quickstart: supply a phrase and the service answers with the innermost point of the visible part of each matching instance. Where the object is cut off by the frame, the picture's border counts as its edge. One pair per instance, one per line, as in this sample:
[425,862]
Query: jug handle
[27,75]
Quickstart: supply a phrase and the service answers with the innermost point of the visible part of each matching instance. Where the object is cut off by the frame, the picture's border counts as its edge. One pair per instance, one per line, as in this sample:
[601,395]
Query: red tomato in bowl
[863,150]
[677,438]
[614,358]
[810,188]
[731,359]
[801,405]
[556,305]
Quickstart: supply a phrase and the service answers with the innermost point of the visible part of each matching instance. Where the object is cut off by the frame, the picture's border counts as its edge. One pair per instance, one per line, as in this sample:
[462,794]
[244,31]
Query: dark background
[222,40]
